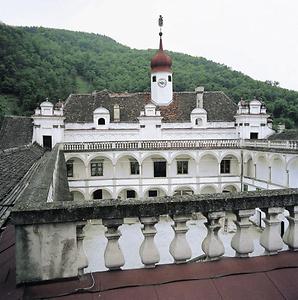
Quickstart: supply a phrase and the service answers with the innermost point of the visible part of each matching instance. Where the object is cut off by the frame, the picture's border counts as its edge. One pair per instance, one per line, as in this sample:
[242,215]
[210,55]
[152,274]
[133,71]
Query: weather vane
[160,22]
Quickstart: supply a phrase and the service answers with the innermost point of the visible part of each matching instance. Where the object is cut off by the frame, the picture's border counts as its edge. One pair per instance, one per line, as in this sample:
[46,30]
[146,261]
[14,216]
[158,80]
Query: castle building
[135,145]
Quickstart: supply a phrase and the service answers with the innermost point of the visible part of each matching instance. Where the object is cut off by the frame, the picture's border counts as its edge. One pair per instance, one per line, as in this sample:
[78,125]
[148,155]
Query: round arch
[76,167]
[99,155]
[230,153]
[183,190]
[208,189]
[210,154]
[278,169]
[292,168]
[208,165]
[100,194]
[153,155]
[262,167]
[77,195]
[160,191]
[230,188]
[125,193]
[122,155]
[182,154]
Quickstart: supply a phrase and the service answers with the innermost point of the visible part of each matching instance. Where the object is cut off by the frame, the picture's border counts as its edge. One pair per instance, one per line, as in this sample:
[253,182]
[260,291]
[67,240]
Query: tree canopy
[37,62]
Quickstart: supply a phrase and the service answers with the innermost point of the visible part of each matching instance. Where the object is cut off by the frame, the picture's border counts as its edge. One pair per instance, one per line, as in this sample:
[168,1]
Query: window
[263,124]
[240,124]
[134,168]
[152,193]
[142,126]
[153,78]
[246,124]
[254,135]
[225,166]
[101,121]
[160,169]
[245,187]
[47,142]
[97,168]
[130,194]
[97,194]
[182,167]
[69,168]
[158,126]
[199,122]
[169,78]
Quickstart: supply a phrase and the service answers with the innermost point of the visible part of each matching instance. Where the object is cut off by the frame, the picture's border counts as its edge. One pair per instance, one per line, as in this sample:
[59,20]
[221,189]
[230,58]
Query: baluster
[82,258]
[291,234]
[212,245]
[113,255]
[270,238]
[242,241]
[148,251]
[179,247]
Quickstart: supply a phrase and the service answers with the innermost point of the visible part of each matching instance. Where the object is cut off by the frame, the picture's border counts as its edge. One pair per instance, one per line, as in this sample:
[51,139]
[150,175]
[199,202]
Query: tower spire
[160,24]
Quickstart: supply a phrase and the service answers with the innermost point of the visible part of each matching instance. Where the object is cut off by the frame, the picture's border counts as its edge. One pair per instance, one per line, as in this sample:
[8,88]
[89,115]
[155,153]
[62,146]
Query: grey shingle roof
[15,131]
[79,108]
[14,165]
[291,134]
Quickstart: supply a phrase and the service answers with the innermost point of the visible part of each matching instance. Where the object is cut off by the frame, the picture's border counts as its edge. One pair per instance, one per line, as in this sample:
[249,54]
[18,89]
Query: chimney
[116,113]
[199,93]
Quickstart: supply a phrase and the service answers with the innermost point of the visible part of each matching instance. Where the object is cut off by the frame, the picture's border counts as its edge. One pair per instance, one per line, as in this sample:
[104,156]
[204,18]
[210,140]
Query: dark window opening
[142,126]
[97,194]
[97,169]
[153,78]
[134,168]
[130,194]
[240,124]
[101,121]
[169,78]
[158,126]
[69,168]
[246,124]
[47,142]
[152,193]
[263,124]
[245,187]
[182,167]
[254,135]
[225,166]
[160,169]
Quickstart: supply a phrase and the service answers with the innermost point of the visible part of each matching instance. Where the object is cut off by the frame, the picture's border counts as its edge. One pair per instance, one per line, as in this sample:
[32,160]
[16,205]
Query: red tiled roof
[263,277]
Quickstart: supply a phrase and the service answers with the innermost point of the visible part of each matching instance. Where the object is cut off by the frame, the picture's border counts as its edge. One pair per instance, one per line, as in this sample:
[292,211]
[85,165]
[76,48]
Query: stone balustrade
[55,229]
[179,144]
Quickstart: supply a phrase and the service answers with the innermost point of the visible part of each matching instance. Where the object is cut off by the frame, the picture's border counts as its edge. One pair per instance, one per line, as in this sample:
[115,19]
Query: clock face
[162,82]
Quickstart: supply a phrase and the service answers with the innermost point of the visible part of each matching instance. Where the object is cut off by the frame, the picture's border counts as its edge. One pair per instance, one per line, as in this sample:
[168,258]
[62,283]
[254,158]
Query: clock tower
[161,74]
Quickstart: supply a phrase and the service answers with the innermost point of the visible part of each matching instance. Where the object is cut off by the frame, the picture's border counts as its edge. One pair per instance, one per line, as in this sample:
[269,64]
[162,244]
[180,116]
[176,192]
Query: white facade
[162,88]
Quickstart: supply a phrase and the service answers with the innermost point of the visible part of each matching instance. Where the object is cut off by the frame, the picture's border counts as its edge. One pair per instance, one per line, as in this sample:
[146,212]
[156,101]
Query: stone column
[169,179]
[114,182]
[179,247]
[82,258]
[270,238]
[242,241]
[148,251]
[212,245]
[270,175]
[113,255]
[291,235]
[288,178]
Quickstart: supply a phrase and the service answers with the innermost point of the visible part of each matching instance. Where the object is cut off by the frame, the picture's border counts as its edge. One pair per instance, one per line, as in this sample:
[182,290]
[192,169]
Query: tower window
[152,193]
[153,78]
[101,121]
[169,78]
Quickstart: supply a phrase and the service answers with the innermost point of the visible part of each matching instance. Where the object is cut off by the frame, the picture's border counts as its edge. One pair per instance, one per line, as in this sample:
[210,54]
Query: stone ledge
[73,211]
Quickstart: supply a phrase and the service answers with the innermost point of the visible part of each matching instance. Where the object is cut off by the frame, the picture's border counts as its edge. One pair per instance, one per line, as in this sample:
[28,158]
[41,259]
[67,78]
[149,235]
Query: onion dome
[161,61]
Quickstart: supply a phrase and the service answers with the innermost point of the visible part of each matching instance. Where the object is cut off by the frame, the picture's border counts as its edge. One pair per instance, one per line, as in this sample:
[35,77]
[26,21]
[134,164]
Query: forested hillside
[36,63]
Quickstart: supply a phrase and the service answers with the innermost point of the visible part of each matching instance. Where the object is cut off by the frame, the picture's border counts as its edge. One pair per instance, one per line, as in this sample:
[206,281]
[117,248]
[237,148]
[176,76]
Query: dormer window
[101,121]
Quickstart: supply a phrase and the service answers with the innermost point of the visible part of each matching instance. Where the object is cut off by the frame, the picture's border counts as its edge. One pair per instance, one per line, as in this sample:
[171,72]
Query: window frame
[134,167]
[182,167]
[69,168]
[225,166]
[96,168]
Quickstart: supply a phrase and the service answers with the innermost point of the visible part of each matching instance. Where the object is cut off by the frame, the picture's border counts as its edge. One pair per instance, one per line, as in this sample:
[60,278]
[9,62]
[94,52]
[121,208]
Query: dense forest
[37,62]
